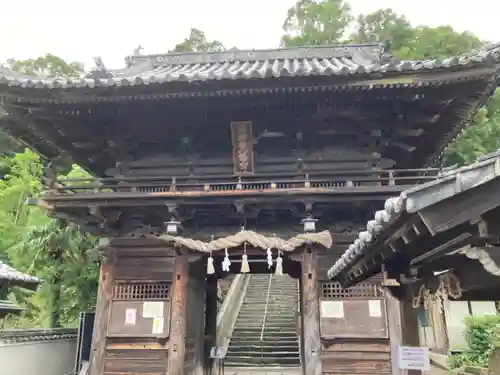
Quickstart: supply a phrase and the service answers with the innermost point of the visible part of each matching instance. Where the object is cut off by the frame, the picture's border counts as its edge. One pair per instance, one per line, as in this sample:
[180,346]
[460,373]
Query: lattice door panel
[140,310]
[357,312]
[135,291]
[333,290]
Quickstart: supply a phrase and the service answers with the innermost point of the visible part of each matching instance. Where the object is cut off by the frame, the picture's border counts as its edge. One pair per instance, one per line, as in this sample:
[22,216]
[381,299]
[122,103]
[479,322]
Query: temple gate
[242,157]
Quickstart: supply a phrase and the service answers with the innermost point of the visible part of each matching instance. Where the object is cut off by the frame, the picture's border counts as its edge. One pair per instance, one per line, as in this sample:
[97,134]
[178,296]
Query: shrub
[483,335]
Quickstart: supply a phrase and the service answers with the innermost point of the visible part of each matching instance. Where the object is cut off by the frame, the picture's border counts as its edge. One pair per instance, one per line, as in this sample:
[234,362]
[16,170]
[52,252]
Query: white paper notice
[414,358]
[157,326]
[375,308]
[332,309]
[152,310]
[130,316]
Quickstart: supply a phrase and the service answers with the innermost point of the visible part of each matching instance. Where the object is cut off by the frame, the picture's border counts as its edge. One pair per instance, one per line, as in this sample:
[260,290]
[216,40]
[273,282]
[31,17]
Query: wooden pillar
[200,318]
[311,341]
[395,330]
[210,319]
[409,327]
[177,342]
[104,296]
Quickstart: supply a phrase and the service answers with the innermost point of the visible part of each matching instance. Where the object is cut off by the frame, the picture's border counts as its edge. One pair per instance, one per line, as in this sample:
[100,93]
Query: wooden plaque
[242,139]
[353,318]
[139,318]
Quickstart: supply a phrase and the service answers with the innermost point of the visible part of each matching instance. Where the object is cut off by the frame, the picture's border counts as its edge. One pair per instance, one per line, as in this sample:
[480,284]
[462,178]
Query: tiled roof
[15,276]
[9,336]
[347,60]
[412,200]
[9,307]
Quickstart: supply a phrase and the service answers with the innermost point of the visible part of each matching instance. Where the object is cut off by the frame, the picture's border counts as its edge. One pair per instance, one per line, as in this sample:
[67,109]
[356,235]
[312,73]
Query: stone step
[268,326]
[266,341]
[252,361]
[264,354]
[245,315]
[265,348]
[278,344]
[252,370]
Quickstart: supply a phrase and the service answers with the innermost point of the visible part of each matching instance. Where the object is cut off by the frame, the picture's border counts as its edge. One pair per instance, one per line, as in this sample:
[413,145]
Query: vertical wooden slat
[104,296]
[310,314]
[176,350]
[395,330]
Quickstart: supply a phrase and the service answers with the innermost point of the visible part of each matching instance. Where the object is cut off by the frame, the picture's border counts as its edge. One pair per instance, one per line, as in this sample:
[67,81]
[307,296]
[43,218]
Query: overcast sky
[112,28]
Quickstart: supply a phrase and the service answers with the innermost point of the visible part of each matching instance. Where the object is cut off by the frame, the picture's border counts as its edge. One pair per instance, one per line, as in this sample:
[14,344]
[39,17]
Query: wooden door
[354,329]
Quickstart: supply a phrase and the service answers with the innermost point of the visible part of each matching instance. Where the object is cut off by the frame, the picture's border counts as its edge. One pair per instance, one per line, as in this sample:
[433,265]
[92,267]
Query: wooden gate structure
[296,146]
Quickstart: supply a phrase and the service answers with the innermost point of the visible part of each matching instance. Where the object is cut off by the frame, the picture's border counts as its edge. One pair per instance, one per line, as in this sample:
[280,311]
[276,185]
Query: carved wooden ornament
[243,158]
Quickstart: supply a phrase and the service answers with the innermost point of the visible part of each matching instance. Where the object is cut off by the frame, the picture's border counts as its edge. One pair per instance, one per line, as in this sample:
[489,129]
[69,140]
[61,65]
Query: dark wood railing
[337,179]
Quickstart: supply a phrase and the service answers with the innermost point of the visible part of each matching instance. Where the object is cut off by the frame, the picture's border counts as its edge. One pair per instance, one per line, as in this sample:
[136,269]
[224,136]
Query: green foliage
[482,136]
[312,22]
[326,21]
[46,65]
[56,251]
[198,42]
[483,335]
[383,25]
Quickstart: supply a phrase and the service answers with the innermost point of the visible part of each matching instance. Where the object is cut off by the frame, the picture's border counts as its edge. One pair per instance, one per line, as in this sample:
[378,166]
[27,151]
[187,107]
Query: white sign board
[152,309]
[332,309]
[157,326]
[414,358]
[375,308]
[130,316]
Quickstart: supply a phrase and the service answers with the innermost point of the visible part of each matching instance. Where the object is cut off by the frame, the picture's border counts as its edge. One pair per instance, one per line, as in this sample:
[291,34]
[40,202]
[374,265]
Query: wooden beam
[104,296]
[310,313]
[176,347]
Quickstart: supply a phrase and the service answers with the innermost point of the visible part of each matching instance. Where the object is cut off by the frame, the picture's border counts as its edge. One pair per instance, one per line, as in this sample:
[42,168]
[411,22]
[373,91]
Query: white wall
[54,357]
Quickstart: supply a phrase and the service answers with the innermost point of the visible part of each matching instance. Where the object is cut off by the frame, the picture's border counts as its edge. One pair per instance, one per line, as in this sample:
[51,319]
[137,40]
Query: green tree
[312,22]
[326,21]
[198,42]
[46,65]
[55,250]
[437,43]
[481,137]
[381,26]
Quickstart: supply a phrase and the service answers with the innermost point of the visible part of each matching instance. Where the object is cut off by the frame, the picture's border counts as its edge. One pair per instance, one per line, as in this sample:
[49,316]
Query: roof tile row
[11,274]
[318,61]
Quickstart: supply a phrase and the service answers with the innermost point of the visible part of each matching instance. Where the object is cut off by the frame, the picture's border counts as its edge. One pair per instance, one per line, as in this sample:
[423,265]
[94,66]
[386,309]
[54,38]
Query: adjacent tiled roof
[9,307]
[452,182]
[30,335]
[338,60]
[15,276]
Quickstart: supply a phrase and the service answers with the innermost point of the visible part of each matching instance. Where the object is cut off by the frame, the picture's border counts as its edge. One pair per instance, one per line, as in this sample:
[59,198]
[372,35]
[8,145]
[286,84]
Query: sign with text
[414,358]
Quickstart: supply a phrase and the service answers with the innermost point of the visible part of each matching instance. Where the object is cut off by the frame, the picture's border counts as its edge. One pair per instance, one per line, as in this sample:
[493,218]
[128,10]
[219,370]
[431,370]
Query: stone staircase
[279,346]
